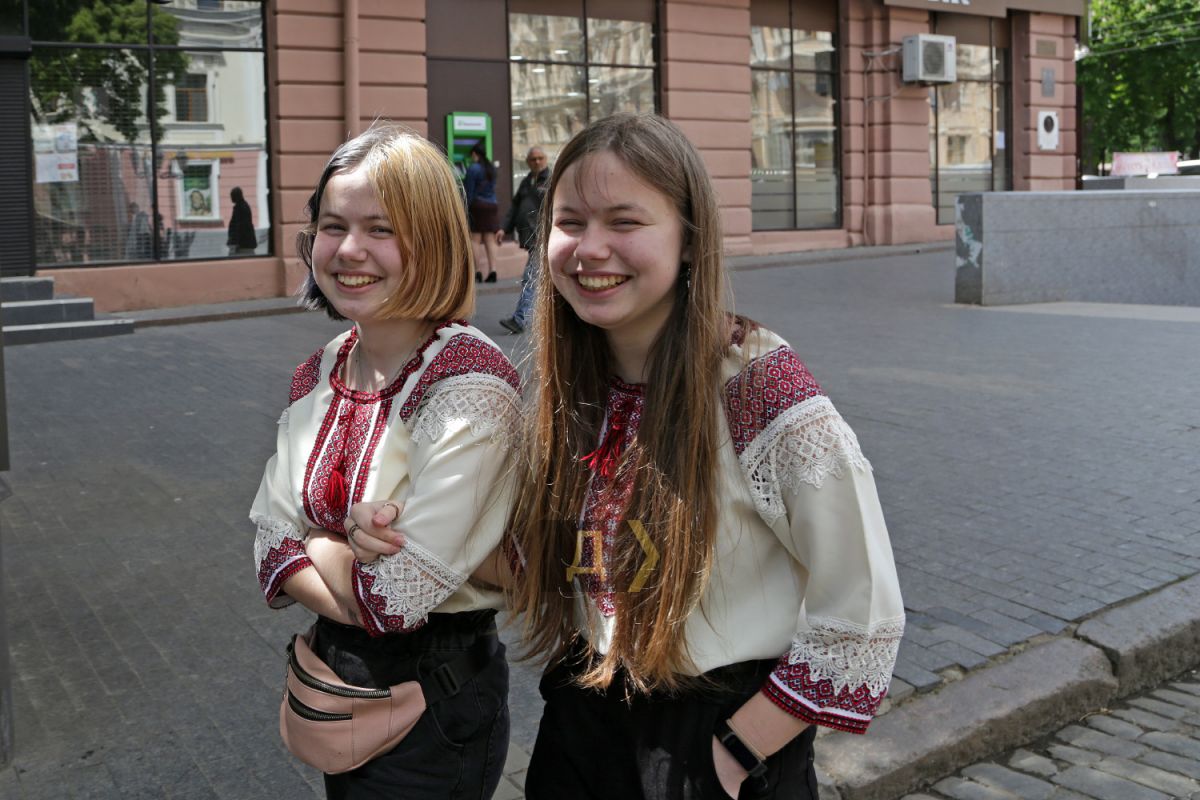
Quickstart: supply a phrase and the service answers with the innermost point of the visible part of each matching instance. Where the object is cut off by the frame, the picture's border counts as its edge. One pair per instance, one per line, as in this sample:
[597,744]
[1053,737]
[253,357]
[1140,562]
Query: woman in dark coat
[242,238]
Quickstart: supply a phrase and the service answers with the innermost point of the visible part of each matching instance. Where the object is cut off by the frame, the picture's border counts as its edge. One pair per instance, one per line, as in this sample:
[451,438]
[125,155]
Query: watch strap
[741,752]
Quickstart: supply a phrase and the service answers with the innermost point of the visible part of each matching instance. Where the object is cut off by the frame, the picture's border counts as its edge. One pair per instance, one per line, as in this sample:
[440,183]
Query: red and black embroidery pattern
[767,387]
[306,377]
[349,430]
[608,494]
[281,563]
[463,355]
[791,688]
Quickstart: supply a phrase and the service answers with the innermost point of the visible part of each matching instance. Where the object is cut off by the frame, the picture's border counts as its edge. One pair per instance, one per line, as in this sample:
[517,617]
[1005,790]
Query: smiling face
[357,259]
[614,248]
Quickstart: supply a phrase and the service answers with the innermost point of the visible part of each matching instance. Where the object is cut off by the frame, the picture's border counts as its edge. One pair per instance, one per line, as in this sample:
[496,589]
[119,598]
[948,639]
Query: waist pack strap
[446,679]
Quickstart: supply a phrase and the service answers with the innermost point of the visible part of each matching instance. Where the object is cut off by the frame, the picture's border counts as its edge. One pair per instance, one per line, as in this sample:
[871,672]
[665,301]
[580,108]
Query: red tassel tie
[337,492]
[604,459]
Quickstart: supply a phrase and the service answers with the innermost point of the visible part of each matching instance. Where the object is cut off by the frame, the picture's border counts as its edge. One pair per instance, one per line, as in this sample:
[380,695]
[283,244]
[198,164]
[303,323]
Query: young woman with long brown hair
[697,540]
[700,548]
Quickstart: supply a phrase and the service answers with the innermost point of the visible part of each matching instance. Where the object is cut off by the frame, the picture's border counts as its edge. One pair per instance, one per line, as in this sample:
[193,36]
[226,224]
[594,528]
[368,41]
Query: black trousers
[599,744]
[457,748]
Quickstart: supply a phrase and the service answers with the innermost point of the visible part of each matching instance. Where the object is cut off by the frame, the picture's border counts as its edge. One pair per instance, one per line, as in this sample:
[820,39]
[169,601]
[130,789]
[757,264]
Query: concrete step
[37,312]
[60,331]
[21,289]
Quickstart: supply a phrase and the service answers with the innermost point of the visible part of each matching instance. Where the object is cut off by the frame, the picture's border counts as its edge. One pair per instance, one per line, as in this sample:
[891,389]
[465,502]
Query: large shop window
[148,117]
[794,153]
[574,61]
[968,143]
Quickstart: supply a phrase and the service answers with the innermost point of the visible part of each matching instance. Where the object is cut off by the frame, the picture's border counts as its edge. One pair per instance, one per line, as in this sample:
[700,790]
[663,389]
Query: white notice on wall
[999,140]
[56,153]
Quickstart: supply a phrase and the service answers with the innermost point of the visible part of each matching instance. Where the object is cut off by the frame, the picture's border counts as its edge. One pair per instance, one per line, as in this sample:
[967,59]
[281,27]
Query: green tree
[1141,78]
[90,85]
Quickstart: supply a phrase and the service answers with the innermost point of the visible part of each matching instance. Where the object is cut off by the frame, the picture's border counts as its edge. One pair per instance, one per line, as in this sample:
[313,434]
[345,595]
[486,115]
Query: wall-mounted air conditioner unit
[929,58]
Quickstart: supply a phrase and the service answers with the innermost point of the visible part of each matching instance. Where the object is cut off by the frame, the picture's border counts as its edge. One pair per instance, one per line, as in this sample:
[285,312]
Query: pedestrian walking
[522,220]
[701,551]
[242,239]
[417,409]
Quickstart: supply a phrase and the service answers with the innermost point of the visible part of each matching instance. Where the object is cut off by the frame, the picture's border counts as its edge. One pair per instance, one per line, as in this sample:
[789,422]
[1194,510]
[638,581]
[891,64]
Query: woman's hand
[369,531]
[729,771]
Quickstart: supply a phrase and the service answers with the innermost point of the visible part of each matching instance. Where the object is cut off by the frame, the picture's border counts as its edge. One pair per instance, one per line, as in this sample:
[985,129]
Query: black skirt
[483,217]
[603,744]
[457,748]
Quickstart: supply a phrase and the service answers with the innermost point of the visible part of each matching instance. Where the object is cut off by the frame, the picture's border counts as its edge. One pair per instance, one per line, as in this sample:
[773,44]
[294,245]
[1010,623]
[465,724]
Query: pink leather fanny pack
[336,727]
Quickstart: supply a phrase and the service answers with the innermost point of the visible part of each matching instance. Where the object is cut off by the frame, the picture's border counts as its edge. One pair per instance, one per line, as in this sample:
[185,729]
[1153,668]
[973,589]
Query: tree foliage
[91,86]
[1141,78]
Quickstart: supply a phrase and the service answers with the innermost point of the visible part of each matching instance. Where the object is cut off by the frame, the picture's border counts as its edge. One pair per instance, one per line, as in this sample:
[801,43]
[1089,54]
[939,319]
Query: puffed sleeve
[280,531]
[813,486]
[279,537]
[455,511]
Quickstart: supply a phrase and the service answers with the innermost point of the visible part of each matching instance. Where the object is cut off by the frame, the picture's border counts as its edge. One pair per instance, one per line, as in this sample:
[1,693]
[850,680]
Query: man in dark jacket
[522,218]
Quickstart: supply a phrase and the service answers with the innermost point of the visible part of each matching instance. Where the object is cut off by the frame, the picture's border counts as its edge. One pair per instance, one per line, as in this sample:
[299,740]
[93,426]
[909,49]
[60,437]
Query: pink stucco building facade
[884,157]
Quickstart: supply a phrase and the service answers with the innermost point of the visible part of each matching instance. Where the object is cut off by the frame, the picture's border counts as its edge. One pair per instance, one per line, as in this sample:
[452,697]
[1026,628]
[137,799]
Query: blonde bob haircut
[424,203]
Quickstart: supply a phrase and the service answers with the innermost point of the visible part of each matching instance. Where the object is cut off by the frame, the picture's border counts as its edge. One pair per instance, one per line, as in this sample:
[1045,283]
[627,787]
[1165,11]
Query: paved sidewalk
[1146,748]
[1035,469]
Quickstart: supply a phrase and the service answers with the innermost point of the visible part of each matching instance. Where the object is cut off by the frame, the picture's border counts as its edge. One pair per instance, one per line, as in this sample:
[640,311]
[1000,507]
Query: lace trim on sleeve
[278,555]
[803,445]
[397,593]
[486,402]
[837,672]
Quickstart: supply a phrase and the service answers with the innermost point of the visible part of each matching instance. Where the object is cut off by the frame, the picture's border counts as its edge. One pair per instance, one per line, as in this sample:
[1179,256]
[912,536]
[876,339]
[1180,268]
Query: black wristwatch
[742,754]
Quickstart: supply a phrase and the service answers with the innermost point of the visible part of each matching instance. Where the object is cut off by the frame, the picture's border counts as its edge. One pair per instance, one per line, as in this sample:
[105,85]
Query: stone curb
[1015,700]
[216,312]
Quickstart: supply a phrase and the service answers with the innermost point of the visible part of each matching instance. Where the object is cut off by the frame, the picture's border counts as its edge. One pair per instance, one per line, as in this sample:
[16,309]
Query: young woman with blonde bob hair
[414,408]
[699,545]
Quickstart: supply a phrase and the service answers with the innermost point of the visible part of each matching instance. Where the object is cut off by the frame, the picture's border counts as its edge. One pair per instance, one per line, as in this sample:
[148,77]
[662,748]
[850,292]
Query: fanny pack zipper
[328,688]
[310,713]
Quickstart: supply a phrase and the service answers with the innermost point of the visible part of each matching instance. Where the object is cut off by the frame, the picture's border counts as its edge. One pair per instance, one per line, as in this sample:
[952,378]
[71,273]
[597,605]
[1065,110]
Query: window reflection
[213,23]
[968,119]
[614,89]
[549,106]
[556,87]
[771,178]
[213,142]
[770,47]
[115,183]
[816,152]
[121,22]
[543,37]
[619,41]
[92,158]
[794,172]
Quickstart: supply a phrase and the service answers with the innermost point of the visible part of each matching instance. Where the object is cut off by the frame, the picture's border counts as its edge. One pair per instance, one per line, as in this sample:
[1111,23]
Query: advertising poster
[56,153]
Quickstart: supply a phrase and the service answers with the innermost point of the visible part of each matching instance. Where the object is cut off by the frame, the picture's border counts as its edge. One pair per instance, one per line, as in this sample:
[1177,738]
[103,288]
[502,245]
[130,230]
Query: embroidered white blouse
[803,566]
[436,439]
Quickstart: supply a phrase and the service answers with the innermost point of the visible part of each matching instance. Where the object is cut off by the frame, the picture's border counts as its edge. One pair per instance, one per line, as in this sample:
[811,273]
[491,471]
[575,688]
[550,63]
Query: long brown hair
[673,457]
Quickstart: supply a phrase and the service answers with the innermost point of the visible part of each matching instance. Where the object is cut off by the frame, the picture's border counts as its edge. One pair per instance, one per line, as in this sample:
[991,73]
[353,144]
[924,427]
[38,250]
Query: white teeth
[601,281]
[356,280]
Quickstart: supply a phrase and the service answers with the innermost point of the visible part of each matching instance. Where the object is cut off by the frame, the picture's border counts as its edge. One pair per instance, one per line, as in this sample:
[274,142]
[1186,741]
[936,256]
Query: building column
[1043,47]
[16,159]
[705,68]
[885,130]
[307,75]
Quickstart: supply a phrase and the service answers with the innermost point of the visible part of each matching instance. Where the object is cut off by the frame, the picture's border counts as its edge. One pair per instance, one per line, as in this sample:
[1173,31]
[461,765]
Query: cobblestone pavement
[1034,468]
[1146,748]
